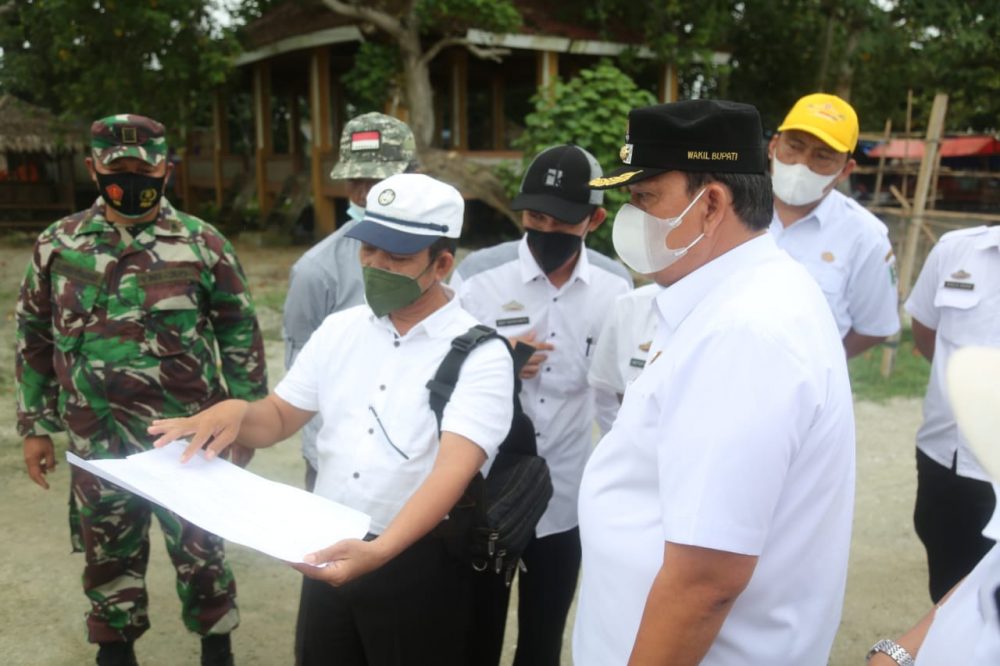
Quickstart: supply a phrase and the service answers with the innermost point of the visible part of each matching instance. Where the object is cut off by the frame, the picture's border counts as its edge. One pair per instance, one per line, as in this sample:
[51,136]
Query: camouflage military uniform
[112,332]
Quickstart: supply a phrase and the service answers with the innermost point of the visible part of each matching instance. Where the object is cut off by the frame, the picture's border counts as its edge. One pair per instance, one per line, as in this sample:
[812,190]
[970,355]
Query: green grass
[907,380]
[272,298]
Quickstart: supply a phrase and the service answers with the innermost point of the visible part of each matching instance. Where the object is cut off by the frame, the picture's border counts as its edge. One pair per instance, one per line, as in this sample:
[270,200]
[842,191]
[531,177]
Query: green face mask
[387,292]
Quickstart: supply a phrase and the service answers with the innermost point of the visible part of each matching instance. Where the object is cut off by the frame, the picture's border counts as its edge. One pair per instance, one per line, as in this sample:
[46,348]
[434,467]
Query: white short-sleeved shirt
[958,295]
[738,436]
[623,348]
[379,437]
[847,251]
[326,279]
[503,287]
[966,628]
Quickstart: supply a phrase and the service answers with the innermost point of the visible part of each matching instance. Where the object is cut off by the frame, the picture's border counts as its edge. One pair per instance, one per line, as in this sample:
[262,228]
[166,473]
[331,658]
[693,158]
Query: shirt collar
[437,324]
[990,239]
[530,268]
[821,214]
[166,223]
[678,300]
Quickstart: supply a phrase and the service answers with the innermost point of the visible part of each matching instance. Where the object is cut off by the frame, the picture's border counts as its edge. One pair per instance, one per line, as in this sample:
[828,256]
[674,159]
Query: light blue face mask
[354,211]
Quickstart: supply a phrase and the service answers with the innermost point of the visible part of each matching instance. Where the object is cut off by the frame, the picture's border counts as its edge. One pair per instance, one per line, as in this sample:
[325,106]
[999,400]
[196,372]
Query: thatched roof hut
[25,128]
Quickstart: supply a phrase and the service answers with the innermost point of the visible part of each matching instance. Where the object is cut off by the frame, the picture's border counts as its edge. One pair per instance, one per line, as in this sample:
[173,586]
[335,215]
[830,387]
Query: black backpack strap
[446,377]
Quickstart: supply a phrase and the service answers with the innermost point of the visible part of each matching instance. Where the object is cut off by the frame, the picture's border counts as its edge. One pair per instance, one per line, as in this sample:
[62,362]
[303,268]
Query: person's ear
[443,265]
[845,173]
[89,163]
[717,201]
[597,218]
[772,146]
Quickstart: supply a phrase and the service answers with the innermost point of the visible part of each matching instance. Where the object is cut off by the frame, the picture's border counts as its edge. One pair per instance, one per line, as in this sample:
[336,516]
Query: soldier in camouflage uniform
[327,278]
[120,316]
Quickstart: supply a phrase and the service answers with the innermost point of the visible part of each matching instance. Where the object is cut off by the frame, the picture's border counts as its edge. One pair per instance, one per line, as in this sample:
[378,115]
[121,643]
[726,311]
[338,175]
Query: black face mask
[552,249]
[131,194]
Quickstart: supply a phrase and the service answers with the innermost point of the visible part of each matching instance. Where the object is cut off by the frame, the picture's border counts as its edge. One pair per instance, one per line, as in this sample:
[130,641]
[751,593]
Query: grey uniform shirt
[324,280]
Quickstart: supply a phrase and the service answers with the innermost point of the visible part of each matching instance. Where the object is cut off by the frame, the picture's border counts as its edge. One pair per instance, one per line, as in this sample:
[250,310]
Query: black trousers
[414,611]
[949,517]
[545,593]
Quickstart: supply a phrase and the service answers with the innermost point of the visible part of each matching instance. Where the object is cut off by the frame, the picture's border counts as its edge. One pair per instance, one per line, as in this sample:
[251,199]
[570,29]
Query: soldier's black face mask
[552,249]
[131,194]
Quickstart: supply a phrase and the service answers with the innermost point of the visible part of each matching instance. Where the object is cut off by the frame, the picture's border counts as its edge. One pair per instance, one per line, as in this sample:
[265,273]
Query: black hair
[753,199]
[441,245]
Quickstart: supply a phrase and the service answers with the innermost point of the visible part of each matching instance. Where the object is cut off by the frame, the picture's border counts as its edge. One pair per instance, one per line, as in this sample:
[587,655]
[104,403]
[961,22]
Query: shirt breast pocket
[73,303]
[962,320]
[172,319]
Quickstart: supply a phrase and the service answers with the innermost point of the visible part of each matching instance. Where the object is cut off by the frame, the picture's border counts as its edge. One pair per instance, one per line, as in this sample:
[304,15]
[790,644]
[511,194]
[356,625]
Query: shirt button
[371,431]
[538,434]
[547,368]
[395,343]
[382,387]
[552,334]
[541,400]
[555,298]
[356,475]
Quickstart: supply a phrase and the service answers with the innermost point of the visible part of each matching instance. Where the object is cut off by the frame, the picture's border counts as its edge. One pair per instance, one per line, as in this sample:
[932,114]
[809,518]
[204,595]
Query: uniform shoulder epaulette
[964,233]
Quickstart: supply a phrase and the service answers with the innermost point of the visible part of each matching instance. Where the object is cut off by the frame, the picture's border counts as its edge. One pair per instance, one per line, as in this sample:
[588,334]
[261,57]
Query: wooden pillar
[294,135]
[262,131]
[548,68]
[460,100]
[219,143]
[322,137]
[499,120]
[64,169]
[668,83]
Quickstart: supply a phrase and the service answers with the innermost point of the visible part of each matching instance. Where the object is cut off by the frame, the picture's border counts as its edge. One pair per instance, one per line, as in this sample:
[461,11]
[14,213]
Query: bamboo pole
[881,163]
[932,145]
[906,144]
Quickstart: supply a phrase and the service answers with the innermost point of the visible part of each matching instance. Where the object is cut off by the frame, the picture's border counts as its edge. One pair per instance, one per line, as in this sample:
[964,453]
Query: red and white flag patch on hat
[366,140]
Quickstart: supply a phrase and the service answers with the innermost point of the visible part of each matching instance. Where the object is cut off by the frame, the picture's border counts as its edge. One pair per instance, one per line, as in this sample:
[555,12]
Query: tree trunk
[824,61]
[845,77]
[419,94]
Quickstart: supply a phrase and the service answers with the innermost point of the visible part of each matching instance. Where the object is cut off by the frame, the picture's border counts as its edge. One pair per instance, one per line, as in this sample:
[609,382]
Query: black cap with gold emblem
[693,135]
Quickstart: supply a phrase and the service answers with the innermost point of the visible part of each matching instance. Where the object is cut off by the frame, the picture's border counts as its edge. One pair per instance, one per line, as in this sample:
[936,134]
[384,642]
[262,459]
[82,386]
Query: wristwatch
[893,650]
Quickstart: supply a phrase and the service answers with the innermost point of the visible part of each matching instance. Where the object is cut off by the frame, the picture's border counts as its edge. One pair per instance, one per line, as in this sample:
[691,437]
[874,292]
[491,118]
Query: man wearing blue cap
[400,596]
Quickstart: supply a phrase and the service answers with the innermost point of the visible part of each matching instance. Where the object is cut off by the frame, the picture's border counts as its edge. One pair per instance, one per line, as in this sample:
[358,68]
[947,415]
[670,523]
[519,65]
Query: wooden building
[283,117]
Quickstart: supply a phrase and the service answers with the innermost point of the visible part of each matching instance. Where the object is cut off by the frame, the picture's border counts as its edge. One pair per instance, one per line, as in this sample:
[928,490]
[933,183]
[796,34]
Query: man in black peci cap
[549,291]
[715,516]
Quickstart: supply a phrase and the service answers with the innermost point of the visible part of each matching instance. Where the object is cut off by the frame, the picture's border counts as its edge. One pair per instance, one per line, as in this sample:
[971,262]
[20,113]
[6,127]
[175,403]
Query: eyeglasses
[387,438]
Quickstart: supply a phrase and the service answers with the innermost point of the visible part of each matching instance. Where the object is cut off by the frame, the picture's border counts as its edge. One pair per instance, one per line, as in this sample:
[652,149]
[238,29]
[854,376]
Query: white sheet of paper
[237,505]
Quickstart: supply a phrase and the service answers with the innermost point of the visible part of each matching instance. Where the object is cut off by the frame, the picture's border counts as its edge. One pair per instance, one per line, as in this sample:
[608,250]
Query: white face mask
[797,184]
[640,239]
[354,211]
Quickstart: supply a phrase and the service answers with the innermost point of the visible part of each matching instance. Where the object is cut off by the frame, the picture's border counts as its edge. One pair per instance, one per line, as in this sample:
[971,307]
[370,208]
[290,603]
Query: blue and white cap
[407,212]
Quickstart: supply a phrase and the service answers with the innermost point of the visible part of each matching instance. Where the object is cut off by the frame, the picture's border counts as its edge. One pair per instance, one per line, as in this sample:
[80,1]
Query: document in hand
[237,505]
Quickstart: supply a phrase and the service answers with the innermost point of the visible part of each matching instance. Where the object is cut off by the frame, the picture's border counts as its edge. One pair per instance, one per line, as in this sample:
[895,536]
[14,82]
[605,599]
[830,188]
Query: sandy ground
[42,608]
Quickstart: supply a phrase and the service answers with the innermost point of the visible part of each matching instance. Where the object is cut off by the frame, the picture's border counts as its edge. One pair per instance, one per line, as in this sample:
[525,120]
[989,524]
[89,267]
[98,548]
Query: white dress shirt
[738,436]
[379,437]
[966,628]
[623,348]
[958,295]
[847,251]
[504,288]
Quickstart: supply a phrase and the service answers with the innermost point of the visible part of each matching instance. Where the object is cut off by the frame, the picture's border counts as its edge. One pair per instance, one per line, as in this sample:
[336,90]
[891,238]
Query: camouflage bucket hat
[128,135]
[374,145]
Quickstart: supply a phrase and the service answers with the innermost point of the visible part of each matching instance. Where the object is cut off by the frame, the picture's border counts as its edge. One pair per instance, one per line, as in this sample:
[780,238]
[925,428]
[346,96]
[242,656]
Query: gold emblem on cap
[129,135]
[386,197]
[645,346]
[961,275]
[626,153]
[827,257]
[512,306]
[614,180]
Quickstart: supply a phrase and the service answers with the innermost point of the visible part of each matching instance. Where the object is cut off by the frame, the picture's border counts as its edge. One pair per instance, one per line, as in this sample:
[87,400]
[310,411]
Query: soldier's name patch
[513,321]
[165,276]
[370,140]
[714,155]
[637,362]
[78,273]
[968,286]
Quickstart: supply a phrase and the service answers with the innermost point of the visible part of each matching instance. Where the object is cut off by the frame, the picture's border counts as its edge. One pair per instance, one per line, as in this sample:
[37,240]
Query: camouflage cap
[128,135]
[374,145]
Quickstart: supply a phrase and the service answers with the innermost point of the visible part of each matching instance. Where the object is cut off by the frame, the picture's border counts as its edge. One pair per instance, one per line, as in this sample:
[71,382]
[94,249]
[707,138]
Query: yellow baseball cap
[827,117]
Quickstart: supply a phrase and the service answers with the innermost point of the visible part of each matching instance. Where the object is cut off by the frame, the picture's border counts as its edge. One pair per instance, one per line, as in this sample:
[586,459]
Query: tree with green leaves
[161,58]
[590,110]
[421,29]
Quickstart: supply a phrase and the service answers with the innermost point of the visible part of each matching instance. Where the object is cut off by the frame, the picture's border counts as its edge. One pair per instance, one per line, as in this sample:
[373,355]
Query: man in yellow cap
[843,246]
